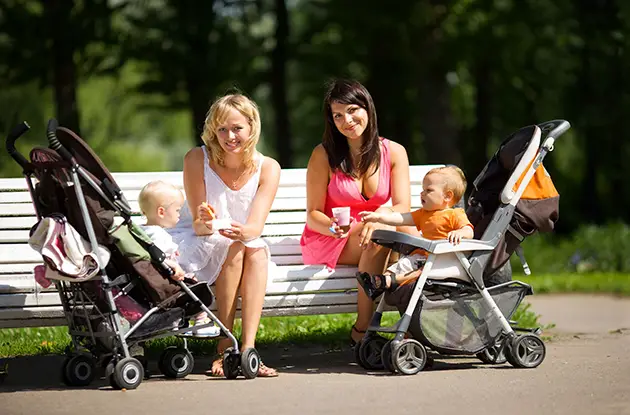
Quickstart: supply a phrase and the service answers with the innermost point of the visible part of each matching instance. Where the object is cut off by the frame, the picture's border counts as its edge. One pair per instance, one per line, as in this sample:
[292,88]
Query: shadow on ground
[44,372]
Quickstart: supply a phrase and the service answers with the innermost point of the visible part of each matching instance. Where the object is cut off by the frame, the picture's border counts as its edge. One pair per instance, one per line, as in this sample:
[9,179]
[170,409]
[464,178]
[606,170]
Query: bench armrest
[405,243]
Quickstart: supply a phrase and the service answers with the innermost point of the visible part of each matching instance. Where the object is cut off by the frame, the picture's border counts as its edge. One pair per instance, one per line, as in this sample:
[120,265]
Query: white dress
[205,255]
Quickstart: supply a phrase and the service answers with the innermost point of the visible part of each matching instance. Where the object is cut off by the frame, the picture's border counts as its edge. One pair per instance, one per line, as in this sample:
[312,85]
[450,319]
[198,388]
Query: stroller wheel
[128,374]
[409,357]
[250,363]
[176,362]
[526,351]
[386,357]
[369,352]
[78,370]
[493,355]
[232,363]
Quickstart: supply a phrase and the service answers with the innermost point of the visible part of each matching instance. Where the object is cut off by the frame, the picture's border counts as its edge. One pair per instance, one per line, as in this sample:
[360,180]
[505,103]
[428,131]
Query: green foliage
[602,249]
[449,79]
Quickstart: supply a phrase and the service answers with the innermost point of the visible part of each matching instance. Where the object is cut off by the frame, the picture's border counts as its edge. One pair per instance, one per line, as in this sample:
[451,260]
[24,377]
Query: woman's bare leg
[371,260]
[226,289]
[253,288]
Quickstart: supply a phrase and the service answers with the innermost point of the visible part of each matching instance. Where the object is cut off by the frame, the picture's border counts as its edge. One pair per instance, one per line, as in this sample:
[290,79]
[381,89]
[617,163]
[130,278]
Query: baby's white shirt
[162,239]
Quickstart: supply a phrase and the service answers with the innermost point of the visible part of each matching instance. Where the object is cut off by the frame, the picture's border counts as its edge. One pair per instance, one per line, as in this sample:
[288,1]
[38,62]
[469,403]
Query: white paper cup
[342,214]
[221,224]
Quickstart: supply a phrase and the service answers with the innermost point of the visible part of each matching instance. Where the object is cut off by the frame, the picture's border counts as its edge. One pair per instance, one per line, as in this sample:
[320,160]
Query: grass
[596,282]
[329,330]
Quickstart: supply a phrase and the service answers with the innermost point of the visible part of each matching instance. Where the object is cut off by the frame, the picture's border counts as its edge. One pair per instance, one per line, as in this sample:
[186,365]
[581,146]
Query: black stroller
[456,305]
[70,187]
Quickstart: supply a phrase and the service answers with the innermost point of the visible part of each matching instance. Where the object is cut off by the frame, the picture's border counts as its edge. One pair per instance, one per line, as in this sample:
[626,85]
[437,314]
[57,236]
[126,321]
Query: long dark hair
[350,92]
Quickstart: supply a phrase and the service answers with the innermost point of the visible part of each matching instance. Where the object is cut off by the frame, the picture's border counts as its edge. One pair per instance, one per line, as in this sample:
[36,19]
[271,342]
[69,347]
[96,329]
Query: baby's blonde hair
[155,194]
[217,115]
[454,180]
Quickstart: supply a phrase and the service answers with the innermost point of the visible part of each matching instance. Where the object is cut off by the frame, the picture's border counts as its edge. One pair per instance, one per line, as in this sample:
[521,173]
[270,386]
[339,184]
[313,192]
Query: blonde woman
[239,184]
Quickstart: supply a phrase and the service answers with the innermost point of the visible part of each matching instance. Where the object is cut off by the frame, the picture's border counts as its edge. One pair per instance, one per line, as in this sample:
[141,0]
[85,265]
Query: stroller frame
[409,356]
[123,369]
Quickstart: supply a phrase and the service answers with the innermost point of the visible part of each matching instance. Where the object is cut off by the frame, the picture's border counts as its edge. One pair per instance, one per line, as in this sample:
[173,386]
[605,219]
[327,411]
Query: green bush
[590,248]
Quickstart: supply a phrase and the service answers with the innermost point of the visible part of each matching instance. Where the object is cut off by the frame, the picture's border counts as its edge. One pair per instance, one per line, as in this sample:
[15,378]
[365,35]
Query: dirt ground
[587,371]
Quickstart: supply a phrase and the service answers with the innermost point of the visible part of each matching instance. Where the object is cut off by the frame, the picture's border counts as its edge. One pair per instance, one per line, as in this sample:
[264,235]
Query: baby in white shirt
[160,203]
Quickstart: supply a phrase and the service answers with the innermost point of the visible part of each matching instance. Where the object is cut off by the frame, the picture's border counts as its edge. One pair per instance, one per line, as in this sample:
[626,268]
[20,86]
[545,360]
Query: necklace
[238,179]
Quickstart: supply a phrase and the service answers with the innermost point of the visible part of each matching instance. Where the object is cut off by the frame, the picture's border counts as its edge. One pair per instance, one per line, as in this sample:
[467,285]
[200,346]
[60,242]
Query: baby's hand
[367,216]
[179,273]
[206,212]
[455,237]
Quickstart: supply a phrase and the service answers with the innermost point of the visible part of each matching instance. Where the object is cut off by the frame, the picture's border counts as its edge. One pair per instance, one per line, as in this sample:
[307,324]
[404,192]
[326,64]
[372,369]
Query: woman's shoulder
[393,146]
[397,152]
[269,164]
[193,155]
[319,155]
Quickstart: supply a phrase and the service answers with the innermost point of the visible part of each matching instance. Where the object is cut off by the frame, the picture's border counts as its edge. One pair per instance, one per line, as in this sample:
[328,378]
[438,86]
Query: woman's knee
[256,257]
[236,253]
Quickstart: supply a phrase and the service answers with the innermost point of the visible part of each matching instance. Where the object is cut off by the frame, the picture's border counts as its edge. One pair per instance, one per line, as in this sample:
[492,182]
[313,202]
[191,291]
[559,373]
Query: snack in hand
[221,224]
[209,210]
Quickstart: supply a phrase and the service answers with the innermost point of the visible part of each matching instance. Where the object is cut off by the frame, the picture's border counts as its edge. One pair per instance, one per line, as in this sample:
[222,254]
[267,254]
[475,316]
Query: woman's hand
[340,232]
[365,237]
[371,222]
[238,232]
[205,212]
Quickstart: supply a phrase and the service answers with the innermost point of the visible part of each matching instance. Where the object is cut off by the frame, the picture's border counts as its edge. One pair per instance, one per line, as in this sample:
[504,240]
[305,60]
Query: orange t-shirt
[437,224]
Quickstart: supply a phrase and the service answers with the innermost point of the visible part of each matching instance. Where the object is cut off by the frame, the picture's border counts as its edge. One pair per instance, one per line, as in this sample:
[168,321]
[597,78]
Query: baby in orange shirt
[442,188]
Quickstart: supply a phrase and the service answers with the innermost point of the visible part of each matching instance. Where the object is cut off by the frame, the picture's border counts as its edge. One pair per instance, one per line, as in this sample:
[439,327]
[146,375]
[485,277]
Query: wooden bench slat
[138,179]
[47,300]
[293,288]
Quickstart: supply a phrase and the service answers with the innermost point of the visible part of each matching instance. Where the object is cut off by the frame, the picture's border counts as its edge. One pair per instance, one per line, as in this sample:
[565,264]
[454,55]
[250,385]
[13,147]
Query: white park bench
[294,289]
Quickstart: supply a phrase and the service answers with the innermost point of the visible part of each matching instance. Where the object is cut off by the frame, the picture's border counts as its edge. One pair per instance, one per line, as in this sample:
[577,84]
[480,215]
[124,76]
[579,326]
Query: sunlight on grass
[331,330]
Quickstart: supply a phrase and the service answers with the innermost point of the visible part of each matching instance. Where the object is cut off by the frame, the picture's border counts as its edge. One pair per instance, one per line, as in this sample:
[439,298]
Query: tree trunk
[199,105]
[477,146]
[438,123]
[586,94]
[279,57]
[57,14]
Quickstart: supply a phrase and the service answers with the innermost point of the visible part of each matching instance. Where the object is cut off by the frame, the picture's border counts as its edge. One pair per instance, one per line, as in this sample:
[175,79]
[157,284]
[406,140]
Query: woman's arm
[317,178]
[195,187]
[261,205]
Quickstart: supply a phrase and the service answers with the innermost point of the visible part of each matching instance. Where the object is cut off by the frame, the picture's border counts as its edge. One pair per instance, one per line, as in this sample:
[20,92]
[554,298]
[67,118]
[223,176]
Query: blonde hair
[154,194]
[454,180]
[217,115]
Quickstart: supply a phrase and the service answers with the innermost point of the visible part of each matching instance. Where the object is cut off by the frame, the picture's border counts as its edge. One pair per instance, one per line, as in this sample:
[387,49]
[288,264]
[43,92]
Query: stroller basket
[464,323]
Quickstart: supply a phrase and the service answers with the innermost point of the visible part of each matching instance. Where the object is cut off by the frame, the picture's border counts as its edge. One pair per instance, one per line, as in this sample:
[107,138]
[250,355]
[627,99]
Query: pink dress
[343,191]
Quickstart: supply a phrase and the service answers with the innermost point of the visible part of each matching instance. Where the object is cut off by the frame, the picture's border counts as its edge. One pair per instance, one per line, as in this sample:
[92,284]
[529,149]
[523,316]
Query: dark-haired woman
[353,167]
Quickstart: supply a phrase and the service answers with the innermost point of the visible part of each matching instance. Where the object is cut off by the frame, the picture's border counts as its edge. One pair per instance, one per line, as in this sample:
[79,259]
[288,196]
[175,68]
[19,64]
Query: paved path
[586,373]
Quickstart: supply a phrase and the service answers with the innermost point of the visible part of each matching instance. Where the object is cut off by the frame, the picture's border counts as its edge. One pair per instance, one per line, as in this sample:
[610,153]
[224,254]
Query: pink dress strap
[343,191]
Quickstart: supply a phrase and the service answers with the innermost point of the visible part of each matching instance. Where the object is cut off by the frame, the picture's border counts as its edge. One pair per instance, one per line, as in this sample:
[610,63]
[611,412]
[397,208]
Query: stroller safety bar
[405,243]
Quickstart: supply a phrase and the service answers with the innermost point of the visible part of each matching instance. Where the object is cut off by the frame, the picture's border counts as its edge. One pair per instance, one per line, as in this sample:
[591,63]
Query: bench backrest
[293,289]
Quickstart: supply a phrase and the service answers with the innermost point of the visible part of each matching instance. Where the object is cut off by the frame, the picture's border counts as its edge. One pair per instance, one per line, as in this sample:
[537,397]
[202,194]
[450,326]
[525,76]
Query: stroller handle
[554,128]
[55,144]
[18,131]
